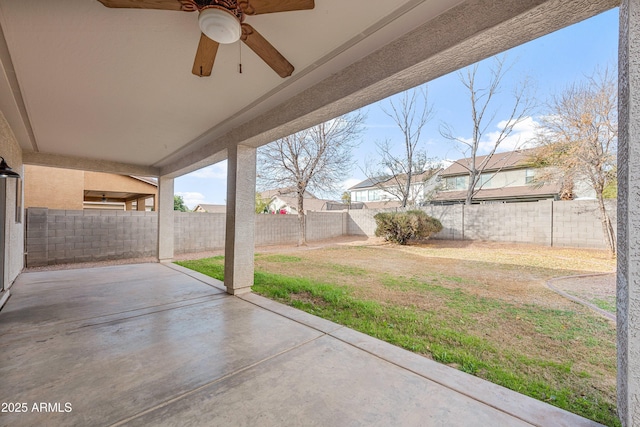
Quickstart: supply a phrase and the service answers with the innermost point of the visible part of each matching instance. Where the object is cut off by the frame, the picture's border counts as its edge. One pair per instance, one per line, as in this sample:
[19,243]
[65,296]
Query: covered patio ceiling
[90,87]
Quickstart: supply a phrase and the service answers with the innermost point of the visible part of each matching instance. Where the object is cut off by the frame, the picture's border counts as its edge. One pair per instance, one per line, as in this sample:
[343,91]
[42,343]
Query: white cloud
[191,198]
[522,136]
[348,183]
[217,171]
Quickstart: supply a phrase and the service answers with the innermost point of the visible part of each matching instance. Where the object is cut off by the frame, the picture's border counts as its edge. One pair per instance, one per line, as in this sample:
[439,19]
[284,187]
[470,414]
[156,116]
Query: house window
[374,195]
[359,196]
[456,182]
[485,178]
[529,176]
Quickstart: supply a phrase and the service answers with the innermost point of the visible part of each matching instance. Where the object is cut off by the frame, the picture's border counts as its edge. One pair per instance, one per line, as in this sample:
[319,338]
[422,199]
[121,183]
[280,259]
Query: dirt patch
[307,297]
[513,273]
[591,287]
[597,291]
[443,278]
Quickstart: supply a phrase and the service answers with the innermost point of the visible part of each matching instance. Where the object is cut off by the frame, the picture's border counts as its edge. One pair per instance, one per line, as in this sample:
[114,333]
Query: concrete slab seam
[210,383]
[289,318]
[441,383]
[160,310]
[52,327]
[195,275]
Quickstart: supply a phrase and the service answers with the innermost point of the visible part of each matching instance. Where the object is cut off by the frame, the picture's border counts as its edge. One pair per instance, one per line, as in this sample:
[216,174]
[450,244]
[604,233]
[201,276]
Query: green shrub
[400,227]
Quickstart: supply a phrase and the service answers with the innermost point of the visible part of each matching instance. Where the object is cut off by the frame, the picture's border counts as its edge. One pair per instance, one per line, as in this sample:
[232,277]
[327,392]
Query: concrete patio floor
[156,344]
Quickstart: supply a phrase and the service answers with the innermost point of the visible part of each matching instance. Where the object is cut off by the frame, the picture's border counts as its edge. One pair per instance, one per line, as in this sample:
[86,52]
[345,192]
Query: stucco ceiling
[83,81]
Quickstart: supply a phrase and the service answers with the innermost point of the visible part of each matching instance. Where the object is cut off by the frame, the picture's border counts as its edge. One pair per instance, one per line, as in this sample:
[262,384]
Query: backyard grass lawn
[482,308]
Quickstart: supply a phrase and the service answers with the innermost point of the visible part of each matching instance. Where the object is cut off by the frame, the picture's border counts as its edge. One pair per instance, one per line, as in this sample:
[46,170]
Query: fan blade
[147,4]
[266,51]
[205,56]
[258,7]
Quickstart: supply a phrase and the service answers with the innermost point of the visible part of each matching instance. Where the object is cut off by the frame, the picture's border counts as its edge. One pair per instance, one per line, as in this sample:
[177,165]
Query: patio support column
[628,274]
[141,204]
[165,219]
[240,227]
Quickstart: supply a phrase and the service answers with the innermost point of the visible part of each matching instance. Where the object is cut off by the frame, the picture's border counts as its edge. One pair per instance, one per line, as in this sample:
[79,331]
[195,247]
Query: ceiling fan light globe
[219,25]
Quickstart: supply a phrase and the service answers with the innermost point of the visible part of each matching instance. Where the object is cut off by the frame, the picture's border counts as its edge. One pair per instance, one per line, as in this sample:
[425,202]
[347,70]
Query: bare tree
[482,96]
[579,138]
[315,159]
[397,172]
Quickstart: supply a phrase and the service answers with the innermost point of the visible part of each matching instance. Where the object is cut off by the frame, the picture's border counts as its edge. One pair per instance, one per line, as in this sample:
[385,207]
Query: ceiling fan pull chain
[240,56]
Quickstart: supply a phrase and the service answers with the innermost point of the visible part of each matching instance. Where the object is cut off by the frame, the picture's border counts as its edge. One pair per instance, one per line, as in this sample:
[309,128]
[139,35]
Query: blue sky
[551,62]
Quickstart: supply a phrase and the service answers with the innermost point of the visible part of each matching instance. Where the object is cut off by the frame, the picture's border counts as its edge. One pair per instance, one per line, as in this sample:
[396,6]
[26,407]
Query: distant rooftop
[507,160]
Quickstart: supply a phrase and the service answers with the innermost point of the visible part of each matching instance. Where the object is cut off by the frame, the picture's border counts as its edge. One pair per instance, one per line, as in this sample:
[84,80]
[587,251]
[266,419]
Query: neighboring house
[211,208]
[506,178]
[285,201]
[380,192]
[70,189]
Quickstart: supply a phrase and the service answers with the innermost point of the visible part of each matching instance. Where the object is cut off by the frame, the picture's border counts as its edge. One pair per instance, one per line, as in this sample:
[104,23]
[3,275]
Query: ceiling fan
[222,21]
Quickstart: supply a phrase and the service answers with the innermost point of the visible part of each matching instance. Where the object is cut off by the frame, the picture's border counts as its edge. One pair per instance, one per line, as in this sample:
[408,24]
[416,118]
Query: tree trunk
[407,188]
[607,228]
[470,189]
[301,227]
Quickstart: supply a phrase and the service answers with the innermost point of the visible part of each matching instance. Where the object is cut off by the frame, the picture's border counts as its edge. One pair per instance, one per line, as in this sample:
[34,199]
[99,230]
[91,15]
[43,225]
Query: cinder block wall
[451,217]
[61,236]
[578,224]
[198,232]
[362,223]
[509,222]
[552,223]
[325,225]
[276,229]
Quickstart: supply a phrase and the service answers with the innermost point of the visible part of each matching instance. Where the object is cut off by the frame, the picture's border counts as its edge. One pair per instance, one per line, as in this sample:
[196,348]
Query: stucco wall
[100,181]
[53,188]
[14,231]
[59,188]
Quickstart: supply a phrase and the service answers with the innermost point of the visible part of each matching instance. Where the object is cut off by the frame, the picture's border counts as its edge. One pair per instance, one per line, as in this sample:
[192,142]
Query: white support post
[165,219]
[628,277]
[240,226]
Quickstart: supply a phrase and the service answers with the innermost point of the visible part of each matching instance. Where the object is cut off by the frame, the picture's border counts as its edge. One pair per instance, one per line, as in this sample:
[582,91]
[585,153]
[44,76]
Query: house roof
[380,181]
[499,161]
[285,191]
[148,180]
[212,208]
[309,204]
[370,182]
[517,192]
